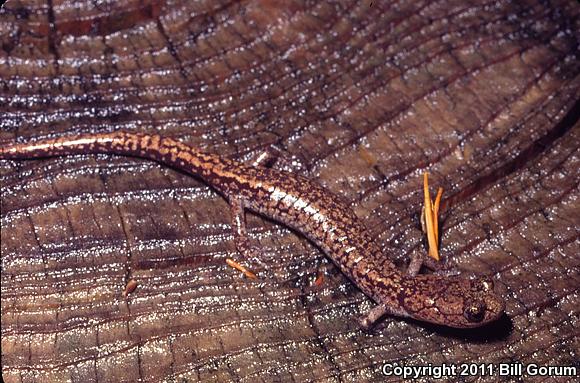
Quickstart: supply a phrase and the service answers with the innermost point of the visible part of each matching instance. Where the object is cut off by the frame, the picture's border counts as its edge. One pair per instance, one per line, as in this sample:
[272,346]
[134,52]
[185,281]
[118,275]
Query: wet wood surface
[113,269]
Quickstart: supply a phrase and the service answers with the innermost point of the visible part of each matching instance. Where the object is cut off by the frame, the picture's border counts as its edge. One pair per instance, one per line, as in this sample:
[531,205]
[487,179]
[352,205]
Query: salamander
[307,207]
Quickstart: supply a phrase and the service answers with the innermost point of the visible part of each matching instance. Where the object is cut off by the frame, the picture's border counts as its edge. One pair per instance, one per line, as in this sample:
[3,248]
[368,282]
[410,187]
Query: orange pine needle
[433,251]
[241,268]
[436,214]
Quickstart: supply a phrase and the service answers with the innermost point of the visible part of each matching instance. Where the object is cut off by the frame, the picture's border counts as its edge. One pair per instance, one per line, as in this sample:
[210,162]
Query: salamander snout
[454,302]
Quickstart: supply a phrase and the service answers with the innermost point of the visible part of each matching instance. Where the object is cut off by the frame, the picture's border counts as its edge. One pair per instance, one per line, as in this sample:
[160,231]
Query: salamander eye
[475,312]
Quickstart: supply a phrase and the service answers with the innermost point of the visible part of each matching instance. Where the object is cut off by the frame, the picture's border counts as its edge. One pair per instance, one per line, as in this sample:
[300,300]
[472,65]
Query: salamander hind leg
[249,252]
[275,156]
[265,158]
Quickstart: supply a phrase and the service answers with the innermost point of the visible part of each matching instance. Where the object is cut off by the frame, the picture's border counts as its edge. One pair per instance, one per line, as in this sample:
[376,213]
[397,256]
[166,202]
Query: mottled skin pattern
[308,208]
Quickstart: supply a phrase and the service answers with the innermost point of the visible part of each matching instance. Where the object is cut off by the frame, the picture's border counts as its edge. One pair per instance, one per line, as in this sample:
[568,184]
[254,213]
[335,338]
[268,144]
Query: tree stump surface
[363,97]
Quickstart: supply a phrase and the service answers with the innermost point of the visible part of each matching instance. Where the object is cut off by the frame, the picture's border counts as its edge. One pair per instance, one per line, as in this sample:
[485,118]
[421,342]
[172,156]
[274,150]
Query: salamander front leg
[419,260]
[368,321]
[250,252]
[371,318]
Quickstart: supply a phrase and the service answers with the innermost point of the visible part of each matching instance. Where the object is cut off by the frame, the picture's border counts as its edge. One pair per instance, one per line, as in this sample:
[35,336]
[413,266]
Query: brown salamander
[308,208]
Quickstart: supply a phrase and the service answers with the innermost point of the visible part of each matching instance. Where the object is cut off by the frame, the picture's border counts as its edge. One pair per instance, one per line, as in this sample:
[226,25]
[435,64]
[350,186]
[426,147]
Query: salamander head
[451,301]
